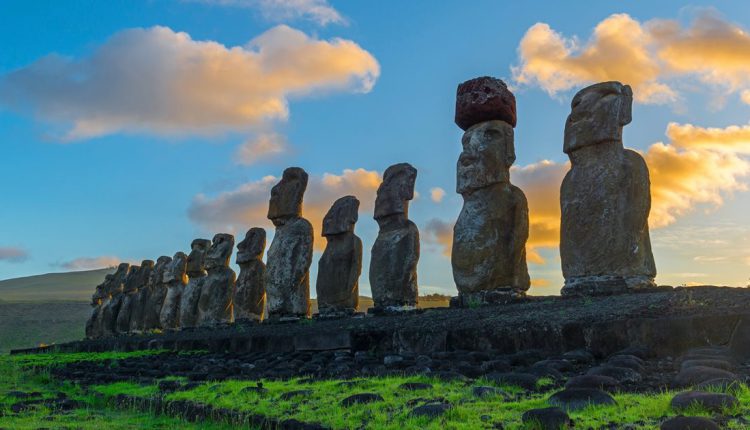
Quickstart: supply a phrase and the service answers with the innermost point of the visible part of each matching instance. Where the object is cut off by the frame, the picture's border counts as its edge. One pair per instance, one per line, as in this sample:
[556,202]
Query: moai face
[598,114]
[158,273]
[196,259]
[175,270]
[252,247]
[220,251]
[341,217]
[287,195]
[488,152]
[139,276]
[395,191]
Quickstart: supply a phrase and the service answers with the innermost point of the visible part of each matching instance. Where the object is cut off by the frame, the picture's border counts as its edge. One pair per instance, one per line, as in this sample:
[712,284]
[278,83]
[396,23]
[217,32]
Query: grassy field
[320,402]
[53,287]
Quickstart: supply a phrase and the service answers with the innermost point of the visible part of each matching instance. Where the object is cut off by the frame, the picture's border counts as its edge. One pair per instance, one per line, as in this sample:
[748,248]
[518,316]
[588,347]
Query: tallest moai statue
[605,198]
[489,238]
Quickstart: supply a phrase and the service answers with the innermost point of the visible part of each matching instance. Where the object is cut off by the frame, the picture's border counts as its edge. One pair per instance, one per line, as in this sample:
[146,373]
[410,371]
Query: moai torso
[605,198]
[196,271]
[395,253]
[151,297]
[250,295]
[93,324]
[112,301]
[217,292]
[174,278]
[136,281]
[339,268]
[290,253]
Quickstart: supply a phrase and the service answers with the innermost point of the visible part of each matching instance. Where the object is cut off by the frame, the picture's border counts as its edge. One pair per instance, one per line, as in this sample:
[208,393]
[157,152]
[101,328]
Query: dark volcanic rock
[689,423]
[697,374]
[485,391]
[600,382]
[706,362]
[547,419]
[432,410]
[714,402]
[484,99]
[362,398]
[572,399]
[414,386]
[622,374]
[524,380]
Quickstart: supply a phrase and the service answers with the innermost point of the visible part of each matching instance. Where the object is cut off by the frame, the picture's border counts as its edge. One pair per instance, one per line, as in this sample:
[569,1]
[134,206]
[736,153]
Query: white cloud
[163,82]
[260,147]
[319,11]
[437,194]
[89,263]
[13,254]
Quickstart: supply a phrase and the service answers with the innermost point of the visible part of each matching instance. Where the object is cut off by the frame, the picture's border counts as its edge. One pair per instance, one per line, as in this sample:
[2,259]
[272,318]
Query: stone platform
[665,322]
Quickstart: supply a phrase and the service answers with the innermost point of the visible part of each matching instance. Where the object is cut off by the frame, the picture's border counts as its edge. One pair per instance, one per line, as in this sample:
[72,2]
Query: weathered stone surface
[573,399]
[250,297]
[713,402]
[697,374]
[217,293]
[689,423]
[361,398]
[175,279]
[196,271]
[547,419]
[395,254]
[600,382]
[113,300]
[605,198]
[290,253]
[339,268]
[431,410]
[93,324]
[151,298]
[130,312]
[489,237]
[484,99]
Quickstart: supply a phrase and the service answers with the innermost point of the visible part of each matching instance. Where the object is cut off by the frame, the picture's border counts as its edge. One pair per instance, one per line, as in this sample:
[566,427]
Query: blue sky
[129,192]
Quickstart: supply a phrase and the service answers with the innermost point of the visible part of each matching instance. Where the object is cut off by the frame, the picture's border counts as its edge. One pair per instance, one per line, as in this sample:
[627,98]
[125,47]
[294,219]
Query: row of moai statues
[604,239]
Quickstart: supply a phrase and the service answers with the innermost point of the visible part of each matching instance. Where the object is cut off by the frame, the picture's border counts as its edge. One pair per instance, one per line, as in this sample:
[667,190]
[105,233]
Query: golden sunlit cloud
[247,206]
[644,55]
[260,147]
[159,81]
[437,194]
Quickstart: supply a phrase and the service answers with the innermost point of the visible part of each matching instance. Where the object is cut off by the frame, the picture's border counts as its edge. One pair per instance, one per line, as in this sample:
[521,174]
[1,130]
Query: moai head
[598,114]
[220,251]
[395,191]
[174,271]
[118,279]
[488,152]
[196,260]
[341,217]
[158,273]
[139,276]
[100,291]
[484,99]
[286,196]
[252,246]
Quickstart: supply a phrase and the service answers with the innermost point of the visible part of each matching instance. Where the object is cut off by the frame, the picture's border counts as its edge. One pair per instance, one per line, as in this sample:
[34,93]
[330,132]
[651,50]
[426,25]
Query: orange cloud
[247,206]
[437,194]
[648,56]
[159,81]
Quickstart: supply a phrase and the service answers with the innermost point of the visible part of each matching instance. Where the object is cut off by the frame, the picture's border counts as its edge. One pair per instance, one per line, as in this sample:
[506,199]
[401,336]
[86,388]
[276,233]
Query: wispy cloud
[89,263]
[261,147]
[652,56]
[318,11]
[437,194]
[13,254]
[158,81]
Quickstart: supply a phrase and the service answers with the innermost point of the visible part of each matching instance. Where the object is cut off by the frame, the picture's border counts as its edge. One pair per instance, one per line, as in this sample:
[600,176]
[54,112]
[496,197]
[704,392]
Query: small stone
[580,356]
[622,374]
[716,364]
[572,399]
[390,360]
[484,99]
[697,374]
[689,423]
[600,382]
[713,402]
[635,364]
[362,398]
[547,419]
[720,384]
[432,410]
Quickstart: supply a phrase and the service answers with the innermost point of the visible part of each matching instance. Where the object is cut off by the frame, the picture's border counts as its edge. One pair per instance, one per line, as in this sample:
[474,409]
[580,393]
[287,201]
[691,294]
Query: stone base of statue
[393,310]
[604,285]
[335,313]
[501,295]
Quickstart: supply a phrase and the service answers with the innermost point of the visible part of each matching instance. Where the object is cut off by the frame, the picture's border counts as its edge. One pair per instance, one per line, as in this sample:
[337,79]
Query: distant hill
[51,287]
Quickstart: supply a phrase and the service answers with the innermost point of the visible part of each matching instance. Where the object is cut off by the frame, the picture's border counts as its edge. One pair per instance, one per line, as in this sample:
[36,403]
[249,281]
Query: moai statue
[196,271]
[605,198]
[250,297]
[489,237]
[175,279]
[290,254]
[395,254]
[93,324]
[151,298]
[341,264]
[113,300]
[215,305]
[136,280]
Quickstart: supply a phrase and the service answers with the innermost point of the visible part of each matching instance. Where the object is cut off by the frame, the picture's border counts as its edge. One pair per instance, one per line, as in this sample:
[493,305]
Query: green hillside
[50,287]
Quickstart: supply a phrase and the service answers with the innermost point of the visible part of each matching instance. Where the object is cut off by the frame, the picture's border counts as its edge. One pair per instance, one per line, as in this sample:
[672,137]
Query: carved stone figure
[217,293]
[339,268]
[113,300]
[290,254]
[395,254]
[151,298]
[175,279]
[489,237]
[136,280]
[93,324]
[196,271]
[605,198]
[250,297]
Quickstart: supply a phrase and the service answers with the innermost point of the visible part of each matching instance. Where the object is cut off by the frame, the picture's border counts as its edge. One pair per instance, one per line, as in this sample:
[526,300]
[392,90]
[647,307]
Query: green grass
[323,403]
